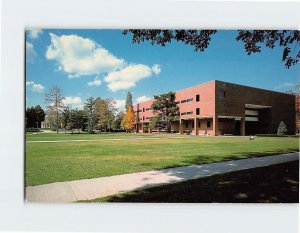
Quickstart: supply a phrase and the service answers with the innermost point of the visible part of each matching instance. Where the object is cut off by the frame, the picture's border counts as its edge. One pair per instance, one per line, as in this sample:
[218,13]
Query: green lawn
[273,184]
[62,161]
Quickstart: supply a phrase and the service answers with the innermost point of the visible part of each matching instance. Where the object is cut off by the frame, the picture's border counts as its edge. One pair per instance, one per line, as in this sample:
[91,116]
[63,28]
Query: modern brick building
[221,108]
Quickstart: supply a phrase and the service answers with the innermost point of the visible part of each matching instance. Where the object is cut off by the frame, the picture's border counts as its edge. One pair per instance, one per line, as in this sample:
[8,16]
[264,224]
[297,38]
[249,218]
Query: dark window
[208,124]
[143,118]
[197,111]
[189,113]
[183,113]
[189,100]
[186,124]
[199,124]
[178,102]
[197,98]
[183,101]
[143,109]
[222,94]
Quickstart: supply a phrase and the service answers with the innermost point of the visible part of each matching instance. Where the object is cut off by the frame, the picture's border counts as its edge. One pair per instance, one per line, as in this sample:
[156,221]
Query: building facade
[221,108]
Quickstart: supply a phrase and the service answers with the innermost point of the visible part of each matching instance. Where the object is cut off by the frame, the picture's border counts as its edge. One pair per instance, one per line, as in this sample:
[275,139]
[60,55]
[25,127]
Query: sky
[106,64]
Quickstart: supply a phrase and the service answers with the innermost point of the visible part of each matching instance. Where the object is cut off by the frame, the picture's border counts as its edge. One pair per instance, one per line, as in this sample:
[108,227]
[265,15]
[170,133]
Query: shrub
[282,130]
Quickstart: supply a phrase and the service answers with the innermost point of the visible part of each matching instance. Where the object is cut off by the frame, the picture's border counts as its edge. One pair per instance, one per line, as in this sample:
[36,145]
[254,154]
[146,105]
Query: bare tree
[54,101]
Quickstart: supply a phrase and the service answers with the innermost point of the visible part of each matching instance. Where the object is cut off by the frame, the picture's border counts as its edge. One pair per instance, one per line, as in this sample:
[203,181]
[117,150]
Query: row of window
[208,124]
[189,100]
[191,112]
[222,94]
[186,113]
[144,110]
[182,114]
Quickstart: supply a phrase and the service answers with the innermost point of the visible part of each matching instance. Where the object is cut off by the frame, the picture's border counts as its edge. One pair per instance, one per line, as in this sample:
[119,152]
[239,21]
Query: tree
[34,116]
[129,119]
[105,110]
[252,40]
[54,100]
[281,129]
[65,118]
[128,102]
[77,119]
[153,123]
[91,114]
[123,123]
[116,125]
[40,114]
[165,107]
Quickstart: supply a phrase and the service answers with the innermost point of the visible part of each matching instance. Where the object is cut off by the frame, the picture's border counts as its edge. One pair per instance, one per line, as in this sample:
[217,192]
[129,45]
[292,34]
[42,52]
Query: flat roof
[215,80]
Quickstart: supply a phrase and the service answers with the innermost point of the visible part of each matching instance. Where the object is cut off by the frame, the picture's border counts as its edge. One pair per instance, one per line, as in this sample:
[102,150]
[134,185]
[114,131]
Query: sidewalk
[85,189]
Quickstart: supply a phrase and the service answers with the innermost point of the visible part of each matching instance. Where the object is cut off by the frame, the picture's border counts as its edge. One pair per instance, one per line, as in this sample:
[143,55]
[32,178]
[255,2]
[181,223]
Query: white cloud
[142,99]
[34,33]
[95,83]
[156,69]
[128,77]
[120,104]
[36,87]
[79,56]
[73,102]
[30,53]
[29,83]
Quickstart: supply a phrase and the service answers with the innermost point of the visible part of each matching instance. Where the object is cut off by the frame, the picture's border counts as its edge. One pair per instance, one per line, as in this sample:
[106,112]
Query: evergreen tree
[281,129]
[166,109]
[34,116]
[91,114]
[128,102]
[65,118]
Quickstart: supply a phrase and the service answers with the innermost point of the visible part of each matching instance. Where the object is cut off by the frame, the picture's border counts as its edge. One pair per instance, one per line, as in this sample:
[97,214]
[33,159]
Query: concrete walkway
[85,189]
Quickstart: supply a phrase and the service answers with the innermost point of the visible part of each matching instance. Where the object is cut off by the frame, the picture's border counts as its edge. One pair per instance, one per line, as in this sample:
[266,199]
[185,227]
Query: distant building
[45,123]
[221,108]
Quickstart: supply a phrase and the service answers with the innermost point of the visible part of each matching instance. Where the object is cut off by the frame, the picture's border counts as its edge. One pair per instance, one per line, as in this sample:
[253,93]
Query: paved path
[110,139]
[99,187]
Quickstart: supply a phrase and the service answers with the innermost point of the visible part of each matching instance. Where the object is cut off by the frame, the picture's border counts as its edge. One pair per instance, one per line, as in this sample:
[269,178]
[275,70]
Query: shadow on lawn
[271,184]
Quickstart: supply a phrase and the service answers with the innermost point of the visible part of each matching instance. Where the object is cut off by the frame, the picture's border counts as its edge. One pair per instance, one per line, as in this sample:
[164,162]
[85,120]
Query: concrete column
[181,126]
[196,126]
[215,125]
[243,126]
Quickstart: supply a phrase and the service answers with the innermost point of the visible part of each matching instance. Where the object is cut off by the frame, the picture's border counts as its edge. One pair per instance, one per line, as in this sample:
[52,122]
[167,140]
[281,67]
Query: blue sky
[105,63]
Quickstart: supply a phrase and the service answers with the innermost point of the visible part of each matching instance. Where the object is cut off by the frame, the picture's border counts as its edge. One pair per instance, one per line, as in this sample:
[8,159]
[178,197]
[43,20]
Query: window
[183,113]
[197,111]
[189,100]
[143,109]
[199,124]
[186,124]
[183,101]
[197,98]
[208,124]
[222,94]
[178,102]
[189,113]
[143,118]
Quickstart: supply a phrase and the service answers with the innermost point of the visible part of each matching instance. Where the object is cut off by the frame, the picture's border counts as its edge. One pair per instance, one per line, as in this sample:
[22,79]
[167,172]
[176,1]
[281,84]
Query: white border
[15,215]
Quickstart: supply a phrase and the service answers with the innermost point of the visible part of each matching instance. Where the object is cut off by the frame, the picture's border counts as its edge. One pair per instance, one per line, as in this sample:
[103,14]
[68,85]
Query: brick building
[221,108]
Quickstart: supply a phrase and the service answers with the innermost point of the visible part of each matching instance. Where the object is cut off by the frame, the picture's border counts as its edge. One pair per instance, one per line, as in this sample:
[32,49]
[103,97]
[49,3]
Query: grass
[272,184]
[72,160]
